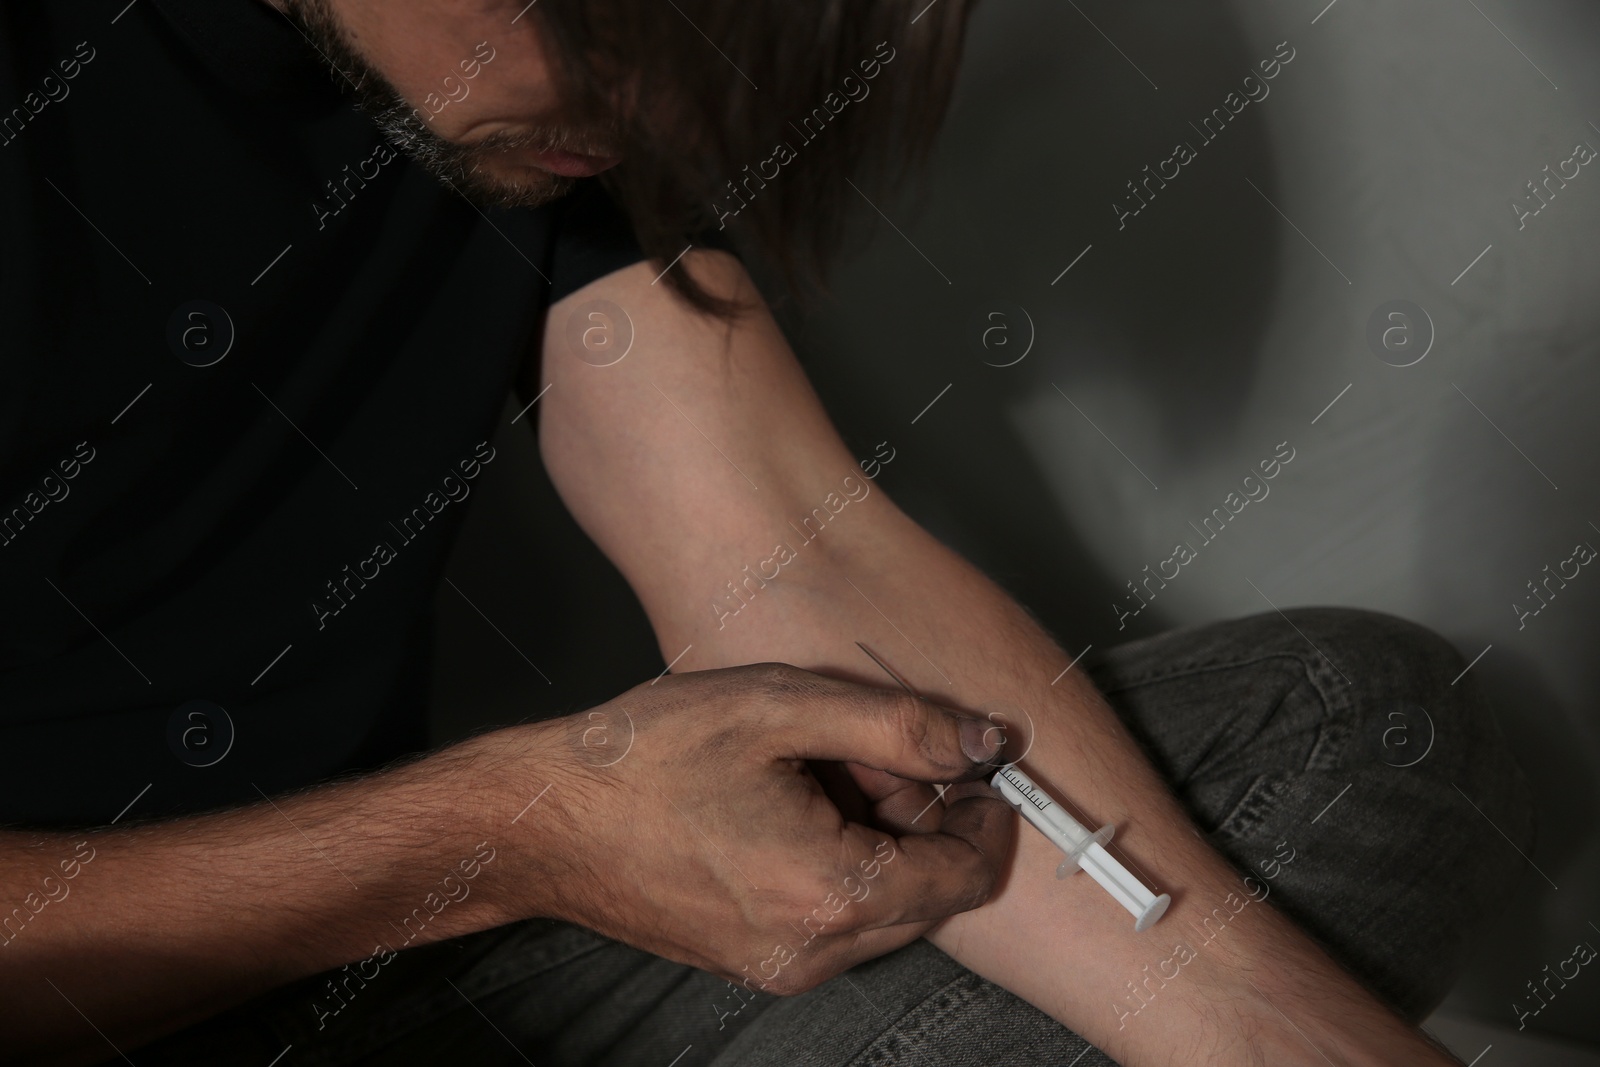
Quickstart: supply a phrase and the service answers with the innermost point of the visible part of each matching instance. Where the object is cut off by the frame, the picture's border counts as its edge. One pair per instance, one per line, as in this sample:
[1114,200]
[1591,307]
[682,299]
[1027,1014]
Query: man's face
[463,87]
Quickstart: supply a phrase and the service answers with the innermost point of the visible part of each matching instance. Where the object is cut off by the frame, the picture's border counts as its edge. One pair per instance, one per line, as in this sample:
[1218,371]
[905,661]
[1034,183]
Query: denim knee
[1411,739]
[1412,703]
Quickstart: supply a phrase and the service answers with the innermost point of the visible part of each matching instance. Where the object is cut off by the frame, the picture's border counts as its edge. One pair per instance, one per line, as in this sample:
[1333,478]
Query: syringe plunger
[1083,849]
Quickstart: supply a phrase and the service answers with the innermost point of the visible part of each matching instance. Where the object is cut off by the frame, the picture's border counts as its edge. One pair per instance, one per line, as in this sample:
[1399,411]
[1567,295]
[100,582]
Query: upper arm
[687,456]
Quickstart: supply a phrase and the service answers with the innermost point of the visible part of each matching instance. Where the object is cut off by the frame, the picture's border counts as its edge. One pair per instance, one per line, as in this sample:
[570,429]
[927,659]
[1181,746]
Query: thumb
[890,731]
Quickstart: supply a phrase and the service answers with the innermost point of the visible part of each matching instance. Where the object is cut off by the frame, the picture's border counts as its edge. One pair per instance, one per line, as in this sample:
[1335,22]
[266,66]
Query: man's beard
[462,167]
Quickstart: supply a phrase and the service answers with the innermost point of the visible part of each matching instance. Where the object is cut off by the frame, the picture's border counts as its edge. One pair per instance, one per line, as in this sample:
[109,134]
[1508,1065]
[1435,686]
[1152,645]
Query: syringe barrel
[1068,833]
[1074,831]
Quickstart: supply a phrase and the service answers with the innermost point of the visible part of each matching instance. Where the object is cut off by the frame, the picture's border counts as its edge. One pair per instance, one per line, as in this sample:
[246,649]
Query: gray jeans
[1330,755]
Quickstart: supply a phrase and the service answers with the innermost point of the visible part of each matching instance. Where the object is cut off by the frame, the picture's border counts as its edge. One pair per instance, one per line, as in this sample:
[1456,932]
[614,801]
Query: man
[256,356]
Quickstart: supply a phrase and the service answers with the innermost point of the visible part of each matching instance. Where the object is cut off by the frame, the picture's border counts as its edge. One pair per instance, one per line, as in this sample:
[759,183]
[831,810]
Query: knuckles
[805,969]
[912,720]
[782,682]
[761,688]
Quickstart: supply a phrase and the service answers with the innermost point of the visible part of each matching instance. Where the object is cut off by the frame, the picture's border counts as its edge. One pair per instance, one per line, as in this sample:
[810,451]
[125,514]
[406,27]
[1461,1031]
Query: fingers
[841,783]
[962,790]
[870,944]
[821,718]
[897,893]
[897,804]
[930,876]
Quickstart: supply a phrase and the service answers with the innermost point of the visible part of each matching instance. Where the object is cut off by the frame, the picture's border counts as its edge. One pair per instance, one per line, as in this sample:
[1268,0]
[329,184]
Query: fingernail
[981,739]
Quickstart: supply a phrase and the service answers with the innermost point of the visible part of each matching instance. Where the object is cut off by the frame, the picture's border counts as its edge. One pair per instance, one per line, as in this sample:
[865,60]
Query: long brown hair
[705,92]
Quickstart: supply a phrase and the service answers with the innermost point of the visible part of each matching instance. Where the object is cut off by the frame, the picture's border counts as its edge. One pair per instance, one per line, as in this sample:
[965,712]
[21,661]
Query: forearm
[211,910]
[1064,946]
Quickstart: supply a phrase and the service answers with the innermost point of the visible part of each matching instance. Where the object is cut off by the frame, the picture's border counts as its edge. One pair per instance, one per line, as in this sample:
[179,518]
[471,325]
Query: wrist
[430,861]
[516,791]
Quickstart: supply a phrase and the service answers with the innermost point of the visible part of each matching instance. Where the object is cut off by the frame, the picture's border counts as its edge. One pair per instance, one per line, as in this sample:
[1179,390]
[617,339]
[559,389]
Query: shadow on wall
[1046,144]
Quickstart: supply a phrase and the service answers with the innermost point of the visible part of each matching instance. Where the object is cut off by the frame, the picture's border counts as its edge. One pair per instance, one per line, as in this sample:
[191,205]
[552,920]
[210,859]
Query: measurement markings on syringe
[1038,799]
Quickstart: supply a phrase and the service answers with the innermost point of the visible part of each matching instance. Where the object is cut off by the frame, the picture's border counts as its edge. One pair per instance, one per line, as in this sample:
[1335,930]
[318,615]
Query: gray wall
[1196,337]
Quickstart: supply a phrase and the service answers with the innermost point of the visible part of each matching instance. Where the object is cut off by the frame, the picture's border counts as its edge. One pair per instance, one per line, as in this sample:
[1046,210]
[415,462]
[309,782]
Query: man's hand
[698,831]
[682,817]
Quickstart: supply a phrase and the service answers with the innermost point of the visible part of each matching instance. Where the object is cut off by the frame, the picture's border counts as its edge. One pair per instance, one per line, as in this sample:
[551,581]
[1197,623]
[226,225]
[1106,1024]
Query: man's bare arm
[703,465]
[116,936]
[120,936]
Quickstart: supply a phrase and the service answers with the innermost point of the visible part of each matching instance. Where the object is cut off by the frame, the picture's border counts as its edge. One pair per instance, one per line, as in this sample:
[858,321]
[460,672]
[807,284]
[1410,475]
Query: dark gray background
[1208,330]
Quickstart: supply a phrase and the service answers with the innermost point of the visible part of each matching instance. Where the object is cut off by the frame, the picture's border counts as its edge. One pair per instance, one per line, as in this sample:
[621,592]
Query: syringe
[1084,849]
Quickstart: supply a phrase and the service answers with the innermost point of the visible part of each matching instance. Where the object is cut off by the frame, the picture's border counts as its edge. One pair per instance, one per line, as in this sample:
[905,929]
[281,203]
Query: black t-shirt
[250,360]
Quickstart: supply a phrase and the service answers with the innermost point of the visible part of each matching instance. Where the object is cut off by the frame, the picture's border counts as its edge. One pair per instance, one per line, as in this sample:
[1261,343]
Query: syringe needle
[901,682]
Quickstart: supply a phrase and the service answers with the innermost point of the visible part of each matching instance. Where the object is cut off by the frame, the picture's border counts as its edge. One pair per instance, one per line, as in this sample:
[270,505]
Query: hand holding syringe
[1083,849]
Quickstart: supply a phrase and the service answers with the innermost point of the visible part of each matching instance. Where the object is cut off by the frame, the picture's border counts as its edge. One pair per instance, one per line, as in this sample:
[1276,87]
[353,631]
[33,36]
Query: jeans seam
[1327,753]
[1195,667]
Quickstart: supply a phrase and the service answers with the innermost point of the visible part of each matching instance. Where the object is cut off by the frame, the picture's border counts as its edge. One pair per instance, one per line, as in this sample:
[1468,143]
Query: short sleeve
[593,238]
